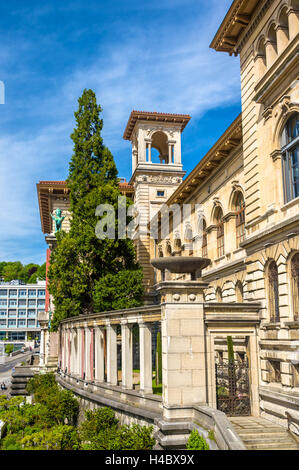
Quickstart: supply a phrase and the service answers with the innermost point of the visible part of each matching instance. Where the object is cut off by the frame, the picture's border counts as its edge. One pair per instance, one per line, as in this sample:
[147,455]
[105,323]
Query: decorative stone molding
[285,104]
[267,113]
[192,297]
[275,155]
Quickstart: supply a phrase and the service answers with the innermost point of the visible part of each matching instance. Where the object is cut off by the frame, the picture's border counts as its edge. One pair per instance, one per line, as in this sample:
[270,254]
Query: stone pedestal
[184,368]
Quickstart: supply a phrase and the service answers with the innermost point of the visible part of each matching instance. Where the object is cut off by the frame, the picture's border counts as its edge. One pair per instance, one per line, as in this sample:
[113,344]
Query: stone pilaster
[184,374]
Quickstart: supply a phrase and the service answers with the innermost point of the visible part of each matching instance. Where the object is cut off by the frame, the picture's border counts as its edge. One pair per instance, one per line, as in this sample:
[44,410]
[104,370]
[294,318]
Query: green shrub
[9,348]
[59,437]
[197,442]
[134,437]
[60,406]
[11,442]
[96,421]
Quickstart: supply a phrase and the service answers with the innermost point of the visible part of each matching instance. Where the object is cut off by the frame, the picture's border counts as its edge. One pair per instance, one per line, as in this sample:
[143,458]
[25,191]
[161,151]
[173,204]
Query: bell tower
[157,171]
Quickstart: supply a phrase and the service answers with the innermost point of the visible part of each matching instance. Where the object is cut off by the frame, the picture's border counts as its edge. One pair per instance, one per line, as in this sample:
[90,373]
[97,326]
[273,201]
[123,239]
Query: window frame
[288,149]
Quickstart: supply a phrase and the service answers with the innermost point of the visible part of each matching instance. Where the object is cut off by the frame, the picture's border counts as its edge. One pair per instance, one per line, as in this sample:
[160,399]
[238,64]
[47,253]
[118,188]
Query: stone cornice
[238,25]
[181,119]
[225,270]
[275,233]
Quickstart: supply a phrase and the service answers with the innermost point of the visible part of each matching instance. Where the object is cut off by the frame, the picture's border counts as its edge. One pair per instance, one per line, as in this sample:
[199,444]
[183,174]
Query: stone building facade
[244,199]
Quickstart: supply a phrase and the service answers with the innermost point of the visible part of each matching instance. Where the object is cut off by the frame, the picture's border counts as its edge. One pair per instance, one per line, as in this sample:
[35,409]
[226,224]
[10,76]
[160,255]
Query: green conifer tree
[86,273]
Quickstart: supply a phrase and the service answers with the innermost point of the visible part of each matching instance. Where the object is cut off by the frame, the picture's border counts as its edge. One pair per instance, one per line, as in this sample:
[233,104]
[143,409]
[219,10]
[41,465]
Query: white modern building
[19,307]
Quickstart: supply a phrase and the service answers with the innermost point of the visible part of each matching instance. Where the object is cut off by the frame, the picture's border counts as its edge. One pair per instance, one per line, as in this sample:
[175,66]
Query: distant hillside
[29,273]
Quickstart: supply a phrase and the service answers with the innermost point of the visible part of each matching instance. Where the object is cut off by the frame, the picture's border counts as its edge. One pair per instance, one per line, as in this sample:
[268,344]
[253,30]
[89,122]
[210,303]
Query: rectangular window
[12,293]
[31,323]
[11,323]
[275,374]
[22,303]
[12,313]
[3,313]
[31,313]
[204,244]
[240,226]
[21,323]
[22,293]
[220,240]
[32,293]
[31,303]
[3,303]
[12,303]
[290,163]
[22,313]
[41,293]
[160,193]
[3,292]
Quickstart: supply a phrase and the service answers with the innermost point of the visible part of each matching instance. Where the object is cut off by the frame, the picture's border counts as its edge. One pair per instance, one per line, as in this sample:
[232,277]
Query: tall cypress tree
[88,274]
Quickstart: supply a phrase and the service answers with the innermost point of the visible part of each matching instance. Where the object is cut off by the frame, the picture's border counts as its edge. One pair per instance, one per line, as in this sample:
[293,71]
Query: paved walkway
[262,434]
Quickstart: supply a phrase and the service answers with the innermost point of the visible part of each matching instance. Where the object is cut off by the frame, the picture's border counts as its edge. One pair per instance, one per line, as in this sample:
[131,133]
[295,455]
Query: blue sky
[135,54]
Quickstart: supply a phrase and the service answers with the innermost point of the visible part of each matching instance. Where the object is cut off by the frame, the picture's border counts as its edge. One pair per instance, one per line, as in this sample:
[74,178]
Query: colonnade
[89,352]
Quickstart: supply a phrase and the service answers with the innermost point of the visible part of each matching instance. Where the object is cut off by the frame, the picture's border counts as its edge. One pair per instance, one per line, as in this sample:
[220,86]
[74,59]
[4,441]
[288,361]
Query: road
[7,369]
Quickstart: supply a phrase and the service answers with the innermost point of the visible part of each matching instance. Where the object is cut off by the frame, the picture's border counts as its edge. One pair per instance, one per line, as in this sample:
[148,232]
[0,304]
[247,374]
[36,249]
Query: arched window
[239,207]
[204,245]
[290,158]
[261,59]
[273,292]
[239,292]
[220,231]
[295,285]
[158,149]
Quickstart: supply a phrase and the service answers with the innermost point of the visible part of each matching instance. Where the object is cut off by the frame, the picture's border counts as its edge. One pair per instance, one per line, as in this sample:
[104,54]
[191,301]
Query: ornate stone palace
[244,197]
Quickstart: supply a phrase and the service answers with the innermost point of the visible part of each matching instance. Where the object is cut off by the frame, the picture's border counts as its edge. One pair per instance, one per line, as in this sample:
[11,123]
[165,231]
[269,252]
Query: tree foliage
[29,273]
[101,431]
[86,274]
[41,426]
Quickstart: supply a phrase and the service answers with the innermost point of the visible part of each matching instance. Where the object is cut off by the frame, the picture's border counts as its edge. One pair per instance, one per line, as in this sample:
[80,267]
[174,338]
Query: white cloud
[142,69]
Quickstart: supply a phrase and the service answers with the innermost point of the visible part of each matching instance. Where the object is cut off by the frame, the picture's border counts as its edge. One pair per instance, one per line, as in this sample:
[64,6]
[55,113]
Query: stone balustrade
[89,346]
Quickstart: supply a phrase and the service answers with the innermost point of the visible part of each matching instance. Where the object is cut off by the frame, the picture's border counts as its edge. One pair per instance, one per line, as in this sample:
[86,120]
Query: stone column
[293,18]
[79,352]
[111,354]
[126,355]
[87,353]
[212,398]
[83,341]
[260,65]
[146,367]
[270,53]
[99,354]
[69,351]
[149,146]
[43,321]
[42,348]
[184,371]
[254,375]
[282,38]
[92,352]
[74,351]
